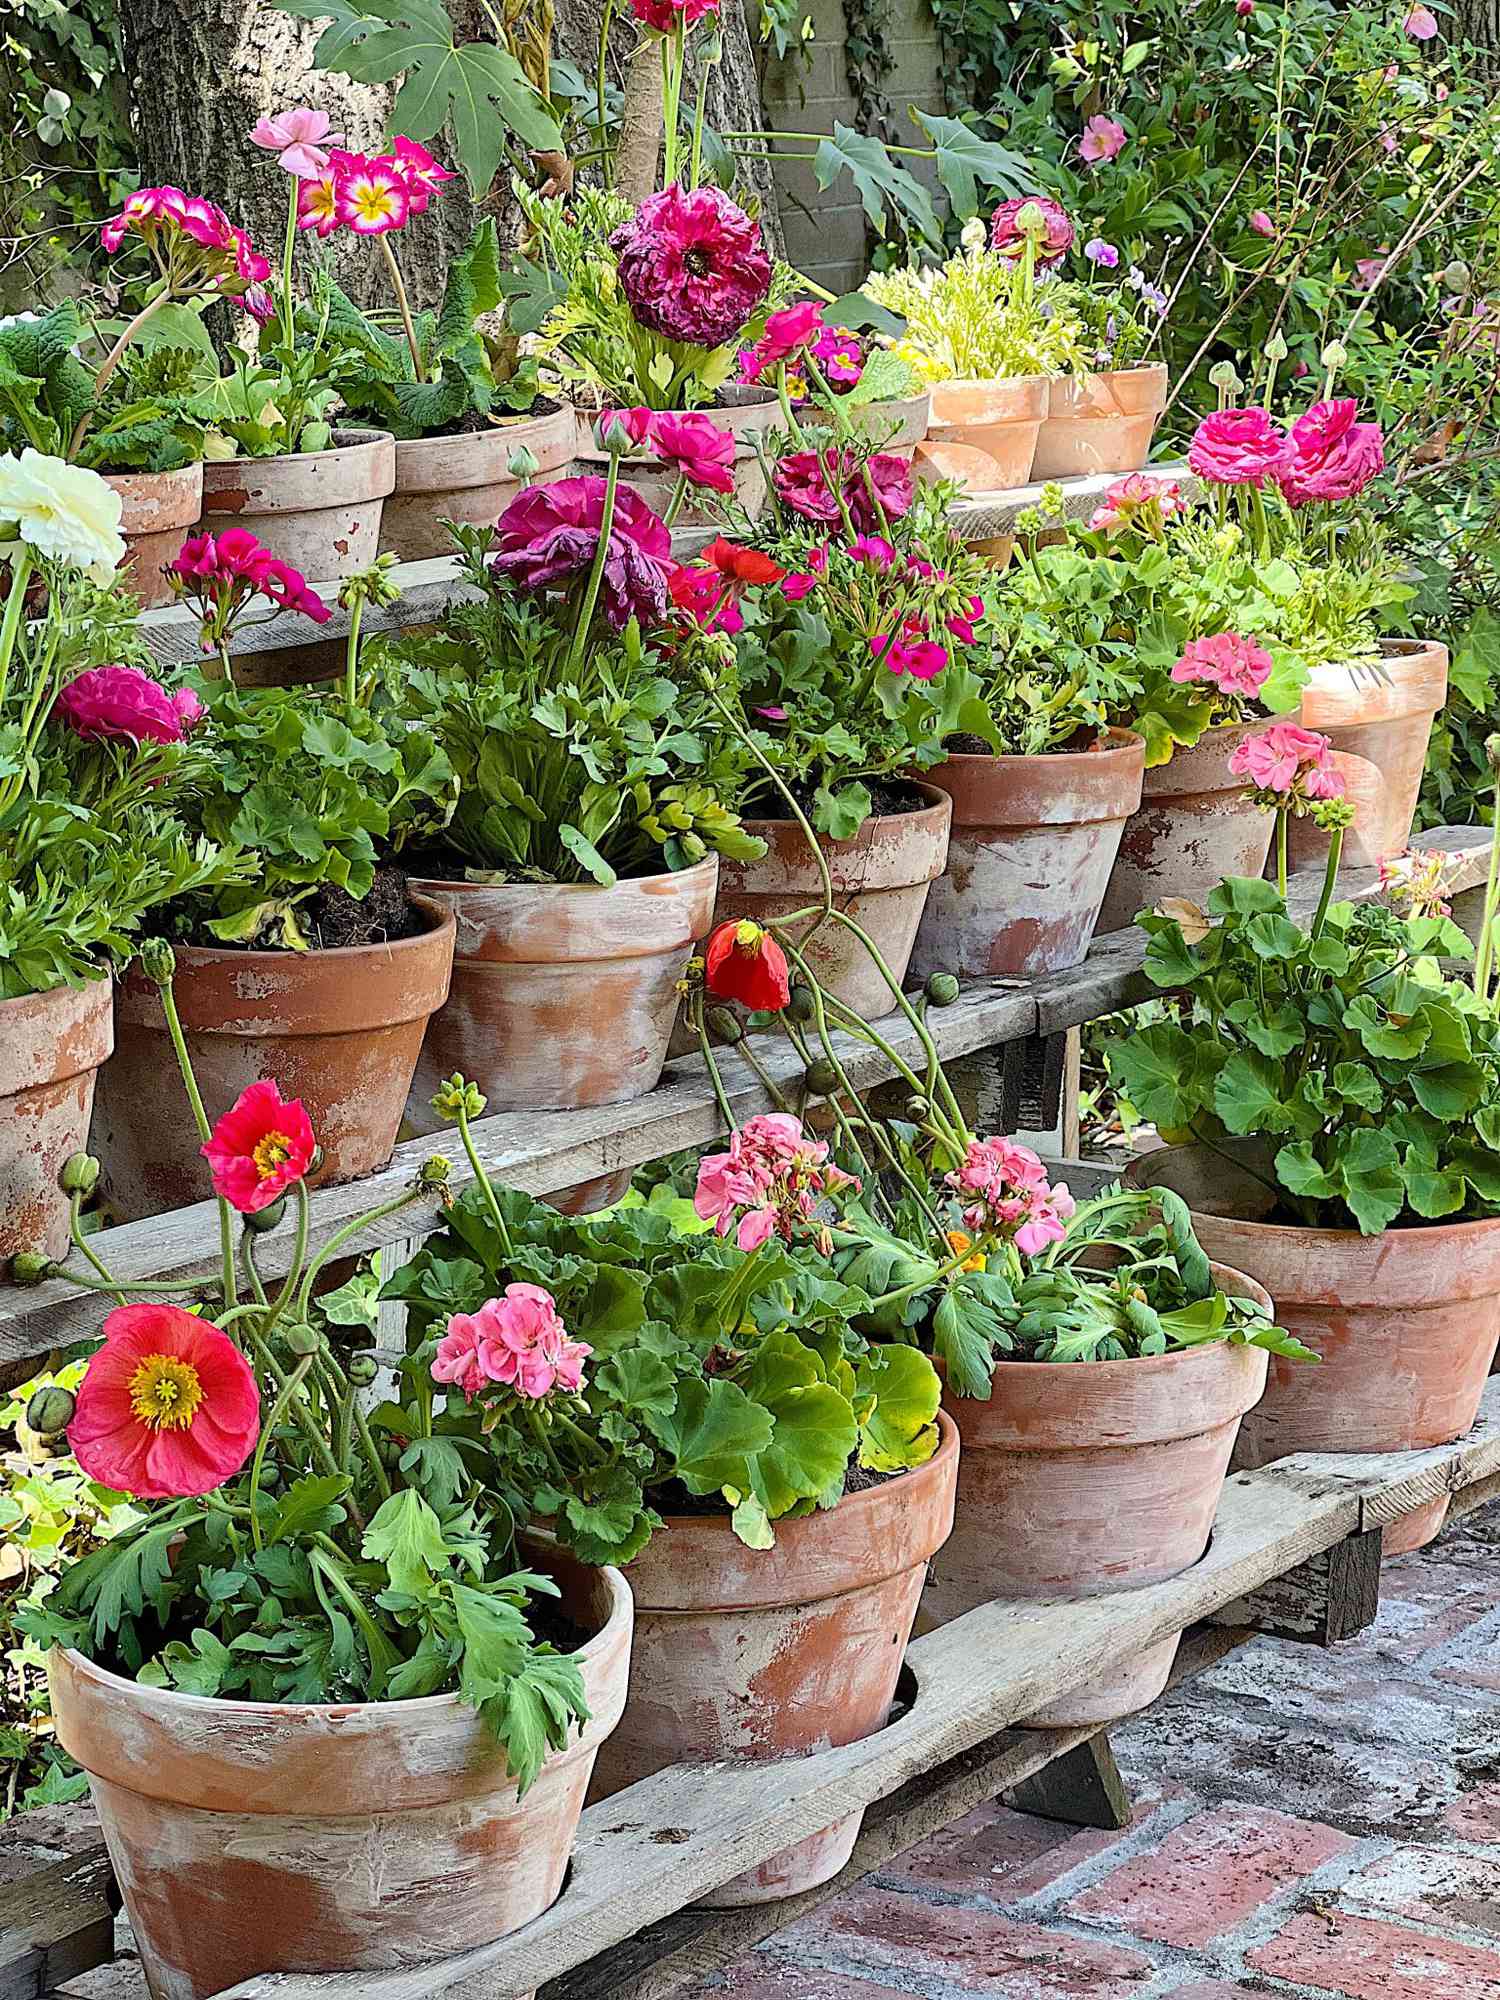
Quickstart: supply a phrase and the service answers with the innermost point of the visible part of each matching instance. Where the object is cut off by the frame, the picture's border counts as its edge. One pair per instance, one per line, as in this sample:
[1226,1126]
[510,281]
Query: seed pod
[30,1267]
[942,989]
[821,1077]
[50,1411]
[264,1220]
[80,1174]
[723,1026]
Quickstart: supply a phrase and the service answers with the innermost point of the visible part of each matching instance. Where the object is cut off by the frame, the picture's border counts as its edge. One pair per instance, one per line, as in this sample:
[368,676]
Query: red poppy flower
[168,1407]
[259,1148]
[744,565]
[745,963]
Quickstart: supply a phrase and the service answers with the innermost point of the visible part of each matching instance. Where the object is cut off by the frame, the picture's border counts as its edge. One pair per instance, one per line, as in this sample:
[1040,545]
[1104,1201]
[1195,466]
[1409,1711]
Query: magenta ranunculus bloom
[548,536]
[789,331]
[1239,448]
[1226,661]
[123,703]
[1054,238]
[693,267]
[635,421]
[805,482]
[1334,457]
[1103,139]
[694,445]
[663,16]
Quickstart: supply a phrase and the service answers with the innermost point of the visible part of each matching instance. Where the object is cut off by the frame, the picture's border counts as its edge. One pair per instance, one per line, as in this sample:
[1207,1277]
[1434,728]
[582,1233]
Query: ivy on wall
[868,61]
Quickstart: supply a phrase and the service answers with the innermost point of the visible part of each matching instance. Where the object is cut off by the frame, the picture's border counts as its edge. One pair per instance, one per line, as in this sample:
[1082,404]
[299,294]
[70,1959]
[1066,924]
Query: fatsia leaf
[877,179]
[966,162]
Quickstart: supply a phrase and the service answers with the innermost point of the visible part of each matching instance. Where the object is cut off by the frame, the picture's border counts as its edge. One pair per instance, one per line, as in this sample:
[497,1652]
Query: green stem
[111,362]
[606,164]
[596,573]
[205,1133]
[294,1269]
[794,429]
[1484,956]
[10,626]
[979,1249]
[278,1408]
[1282,813]
[674,505]
[1330,877]
[351,656]
[340,1237]
[672,51]
[711,1063]
[80,1243]
[476,1167]
[288,252]
[404,304]
[696,167]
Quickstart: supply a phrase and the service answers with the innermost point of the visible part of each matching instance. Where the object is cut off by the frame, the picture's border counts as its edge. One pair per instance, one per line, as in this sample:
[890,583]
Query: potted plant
[319,963]
[95,757]
[596,793]
[1333,1099]
[826,373]
[981,332]
[309,1623]
[772,1485]
[1102,418]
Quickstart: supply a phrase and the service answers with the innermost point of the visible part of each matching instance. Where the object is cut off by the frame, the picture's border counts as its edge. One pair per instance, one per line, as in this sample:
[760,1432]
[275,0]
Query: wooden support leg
[1330,1597]
[1083,1787]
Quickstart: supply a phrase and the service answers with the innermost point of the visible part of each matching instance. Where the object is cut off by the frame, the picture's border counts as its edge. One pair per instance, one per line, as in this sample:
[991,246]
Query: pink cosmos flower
[664,16]
[423,175]
[771,1182]
[300,139]
[122,703]
[1421,24]
[1334,457]
[1047,221]
[548,535]
[517,1341]
[1008,1195]
[1238,448]
[1231,664]
[1261,223]
[1287,763]
[692,266]
[707,597]
[701,450]
[373,194]
[1103,139]
[1137,501]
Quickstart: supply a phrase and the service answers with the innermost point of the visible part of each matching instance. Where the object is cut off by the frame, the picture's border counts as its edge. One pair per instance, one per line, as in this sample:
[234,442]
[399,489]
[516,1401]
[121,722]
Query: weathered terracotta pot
[159,511]
[1034,839]
[1196,824]
[881,878]
[1379,729]
[564,994]
[51,1046]
[1080,1477]
[897,425]
[1406,1322]
[340,1029]
[755,1655]
[253,1837]
[1100,422]
[468,479]
[744,408]
[657,484]
[320,511]
[1002,419]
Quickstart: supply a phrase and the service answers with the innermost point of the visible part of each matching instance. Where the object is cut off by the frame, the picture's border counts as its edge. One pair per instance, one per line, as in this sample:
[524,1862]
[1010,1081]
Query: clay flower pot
[1406,1322]
[253,1837]
[1100,422]
[1379,728]
[881,878]
[564,994]
[1034,840]
[754,1655]
[340,1029]
[1001,419]
[657,483]
[159,511]
[745,409]
[1196,825]
[897,425]
[320,511]
[51,1046]
[467,478]
[1080,1477]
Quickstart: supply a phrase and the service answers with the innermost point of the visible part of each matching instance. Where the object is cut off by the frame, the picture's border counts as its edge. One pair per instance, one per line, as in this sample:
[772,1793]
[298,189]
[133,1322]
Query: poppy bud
[821,1078]
[50,1411]
[523,463]
[80,1174]
[723,1026]
[264,1220]
[802,1007]
[918,1108]
[362,1370]
[30,1267]
[158,961]
[1492,753]
[942,989]
[303,1339]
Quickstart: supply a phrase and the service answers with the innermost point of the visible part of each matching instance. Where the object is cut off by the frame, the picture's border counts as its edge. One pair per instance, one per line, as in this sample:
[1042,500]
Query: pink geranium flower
[222,572]
[1288,764]
[517,1341]
[913,653]
[801,583]
[1139,500]
[1368,272]
[300,139]
[1333,456]
[1103,139]
[1231,664]
[772,1182]
[692,266]
[1238,448]
[124,703]
[1005,1188]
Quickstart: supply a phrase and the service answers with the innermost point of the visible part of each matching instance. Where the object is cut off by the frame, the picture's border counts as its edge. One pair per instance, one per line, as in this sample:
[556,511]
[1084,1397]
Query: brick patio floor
[1307,1823]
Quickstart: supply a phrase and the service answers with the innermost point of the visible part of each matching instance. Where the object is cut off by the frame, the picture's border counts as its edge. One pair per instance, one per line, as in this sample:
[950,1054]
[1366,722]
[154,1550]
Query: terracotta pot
[51,1046]
[1080,1477]
[1379,728]
[657,483]
[744,408]
[468,479]
[252,1837]
[1034,839]
[1100,423]
[1196,825]
[340,1029]
[1002,419]
[320,511]
[564,994]
[899,424]
[881,878]
[1406,1322]
[159,511]
[755,1655]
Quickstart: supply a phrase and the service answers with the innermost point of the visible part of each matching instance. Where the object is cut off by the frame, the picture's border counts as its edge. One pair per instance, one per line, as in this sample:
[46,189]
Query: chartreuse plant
[281,1550]
[613,1368]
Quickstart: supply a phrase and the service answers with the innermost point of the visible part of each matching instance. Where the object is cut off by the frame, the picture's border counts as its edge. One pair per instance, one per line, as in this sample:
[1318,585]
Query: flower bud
[303,1339]
[80,1174]
[1030,220]
[158,961]
[434,1173]
[459,1097]
[802,1008]
[723,1026]
[1492,753]
[614,439]
[1457,275]
[918,1109]
[523,463]
[973,235]
[942,989]
[1276,348]
[821,1078]
[1224,375]
[264,1220]
[362,1370]
[30,1267]
[1335,354]
[50,1410]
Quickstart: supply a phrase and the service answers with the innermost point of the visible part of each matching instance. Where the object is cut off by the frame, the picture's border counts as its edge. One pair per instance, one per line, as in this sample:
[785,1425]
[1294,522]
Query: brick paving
[1307,1823]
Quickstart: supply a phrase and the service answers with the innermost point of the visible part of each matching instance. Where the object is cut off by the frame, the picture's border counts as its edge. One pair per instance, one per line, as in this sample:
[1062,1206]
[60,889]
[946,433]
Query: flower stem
[205,1132]
[111,362]
[288,1390]
[1485,953]
[1282,814]
[1335,854]
[351,656]
[476,1165]
[596,573]
[288,249]
[404,303]
[606,163]
[10,624]
[340,1237]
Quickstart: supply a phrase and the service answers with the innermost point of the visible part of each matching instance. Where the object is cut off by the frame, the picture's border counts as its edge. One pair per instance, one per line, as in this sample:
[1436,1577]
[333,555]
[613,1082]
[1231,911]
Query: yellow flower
[958,1242]
[62,511]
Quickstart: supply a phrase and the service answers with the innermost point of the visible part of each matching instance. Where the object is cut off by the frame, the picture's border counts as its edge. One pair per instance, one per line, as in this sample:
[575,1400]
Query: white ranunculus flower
[63,511]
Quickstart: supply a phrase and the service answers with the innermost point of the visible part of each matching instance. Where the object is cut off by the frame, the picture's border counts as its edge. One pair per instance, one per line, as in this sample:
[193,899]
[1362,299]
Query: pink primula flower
[300,139]
[373,194]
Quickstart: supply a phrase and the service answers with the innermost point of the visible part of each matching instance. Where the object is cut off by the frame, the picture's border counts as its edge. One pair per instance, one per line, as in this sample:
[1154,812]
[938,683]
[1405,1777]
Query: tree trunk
[1479,20]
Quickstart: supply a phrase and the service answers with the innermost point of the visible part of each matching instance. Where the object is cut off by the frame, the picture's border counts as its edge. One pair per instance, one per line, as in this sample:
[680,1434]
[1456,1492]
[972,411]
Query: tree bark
[1479,20]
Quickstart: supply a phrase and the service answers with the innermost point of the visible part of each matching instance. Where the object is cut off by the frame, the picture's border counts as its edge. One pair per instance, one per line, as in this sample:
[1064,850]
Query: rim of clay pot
[996,399]
[360,1003]
[556,910]
[692,1557]
[178,494]
[485,452]
[366,455]
[1109,392]
[48,1037]
[1195,768]
[452,1749]
[1416,684]
[936,806]
[1422,1264]
[1045,790]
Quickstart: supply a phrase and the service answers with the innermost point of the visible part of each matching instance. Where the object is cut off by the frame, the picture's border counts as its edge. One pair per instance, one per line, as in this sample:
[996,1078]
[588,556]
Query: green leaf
[899,1428]
[310,1503]
[1243,896]
[406,1535]
[714,1434]
[587,855]
[966,162]
[1158,1071]
[877,179]
[815,1433]
[1451,1091]
[1381,1035]
[1373,1185]
[1247,1095]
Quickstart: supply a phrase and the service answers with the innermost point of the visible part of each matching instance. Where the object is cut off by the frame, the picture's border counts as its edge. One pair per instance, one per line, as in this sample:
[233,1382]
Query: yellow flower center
[747,937]
[165,1393]
[373,200]
[270,1153]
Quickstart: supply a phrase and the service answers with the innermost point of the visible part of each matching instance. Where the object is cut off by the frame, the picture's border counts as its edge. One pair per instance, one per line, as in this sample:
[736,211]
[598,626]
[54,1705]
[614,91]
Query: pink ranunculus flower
[1103,139]
[300,139]
[693,266]
[1226,661]
[789,331]
[694,445]
[1238,448]
[664,16]
[1334,457]
[1421,24]
[1286,763]
[120,703]
[1261,223]
[548,536]
[636,422]
[1053,233]
[810,483]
